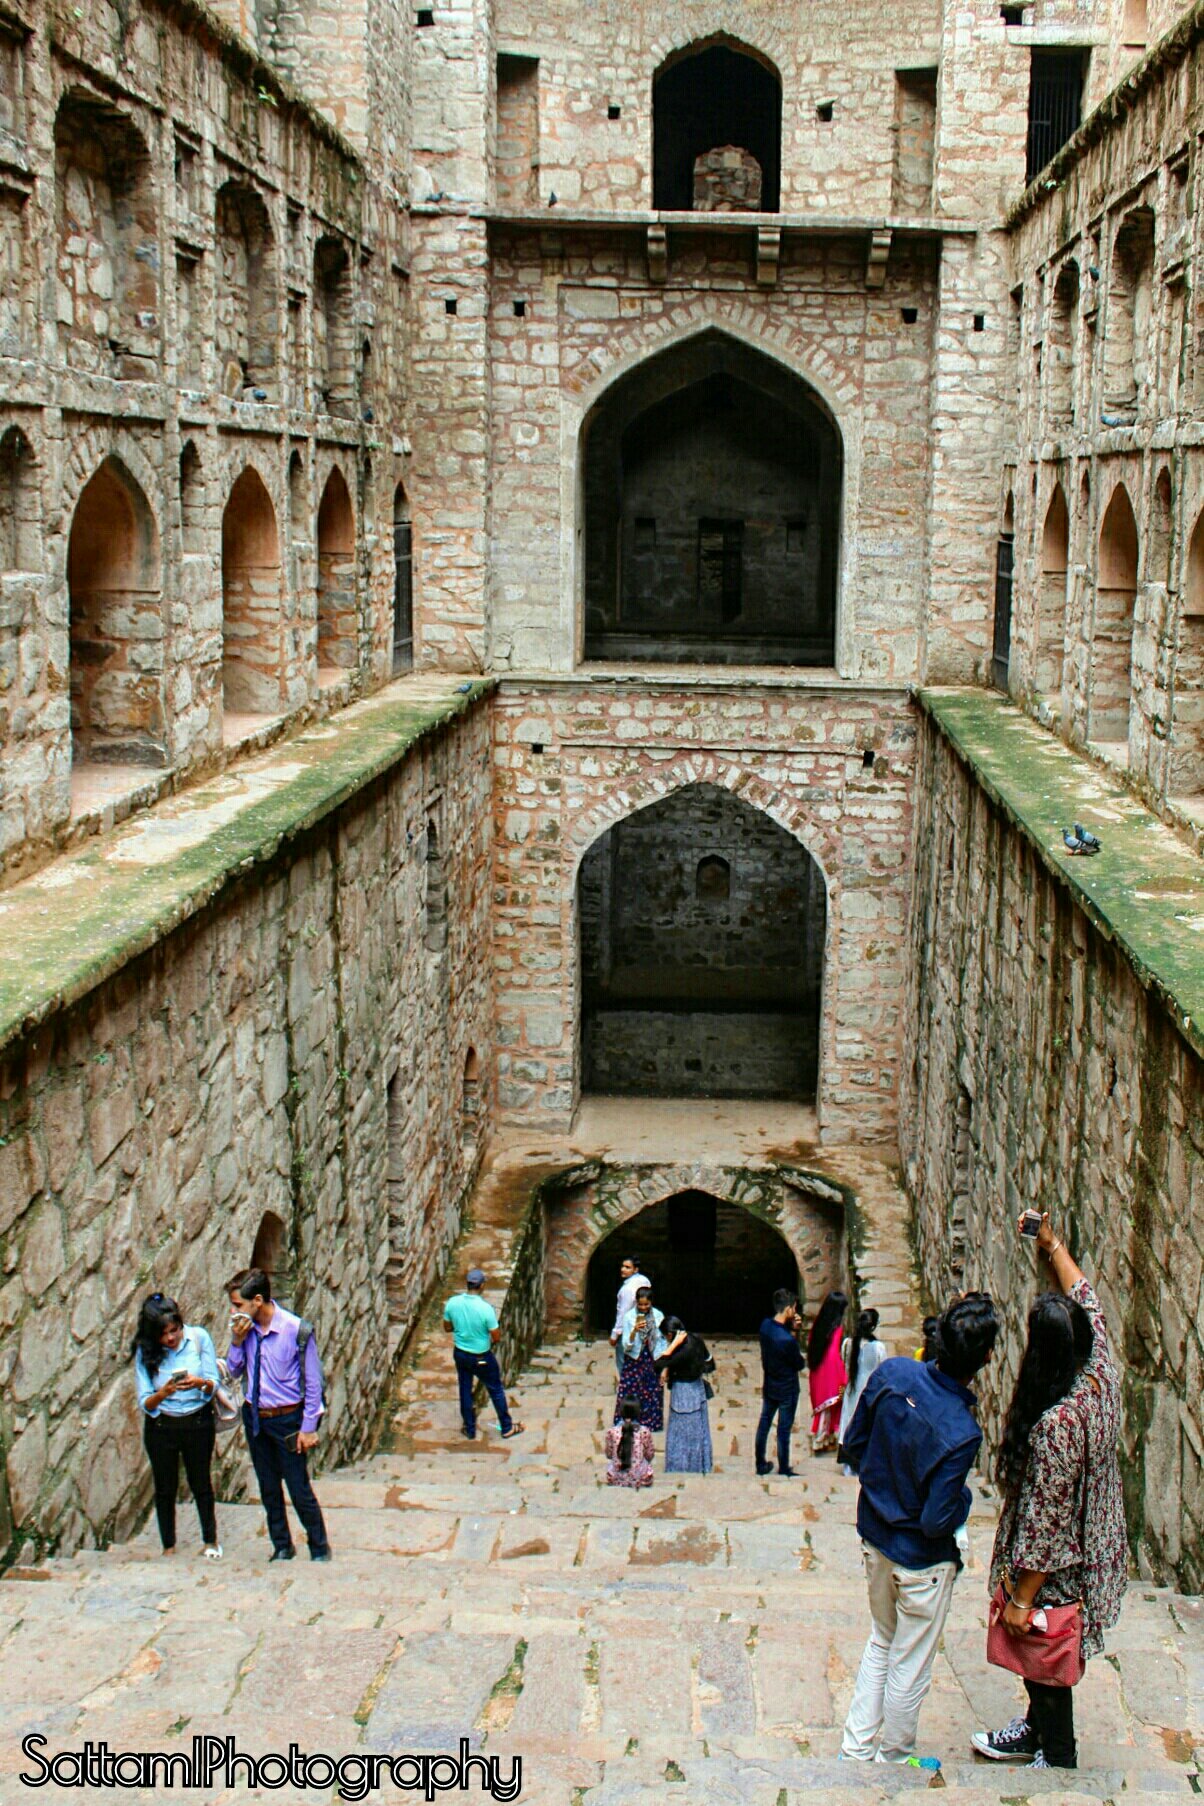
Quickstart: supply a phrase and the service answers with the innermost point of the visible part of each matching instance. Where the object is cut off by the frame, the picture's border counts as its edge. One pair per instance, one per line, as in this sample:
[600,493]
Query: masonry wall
[831,766]
[299,1049]
[1038,1070]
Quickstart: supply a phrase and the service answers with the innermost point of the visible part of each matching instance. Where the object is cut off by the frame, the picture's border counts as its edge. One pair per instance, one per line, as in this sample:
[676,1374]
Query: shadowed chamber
[702,940]
[714,1265]
[712,502]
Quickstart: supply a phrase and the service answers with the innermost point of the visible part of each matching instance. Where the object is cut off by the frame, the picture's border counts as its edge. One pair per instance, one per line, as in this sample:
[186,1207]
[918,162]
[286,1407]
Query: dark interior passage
[702,945]
[712,503]
[712,1264]
[714,96]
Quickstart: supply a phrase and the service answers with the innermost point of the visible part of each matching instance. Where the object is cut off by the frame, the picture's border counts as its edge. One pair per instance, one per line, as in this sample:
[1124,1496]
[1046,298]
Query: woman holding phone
[175,1369]
[642,1343]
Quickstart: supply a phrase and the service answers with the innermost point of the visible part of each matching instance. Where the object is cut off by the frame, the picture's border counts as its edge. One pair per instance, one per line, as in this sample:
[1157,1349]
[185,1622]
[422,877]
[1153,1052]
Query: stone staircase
[694,1642]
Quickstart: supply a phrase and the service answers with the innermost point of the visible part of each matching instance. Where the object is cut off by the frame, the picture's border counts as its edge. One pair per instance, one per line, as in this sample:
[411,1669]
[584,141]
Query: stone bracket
[875,258]
[658,254]
[769,252]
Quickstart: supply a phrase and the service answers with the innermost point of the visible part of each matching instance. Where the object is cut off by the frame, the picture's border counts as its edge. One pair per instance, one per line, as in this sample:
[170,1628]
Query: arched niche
[116,624]
[1187,711]
[272,1254]
[711,483]
[247,318]
[251,648]
[716,96]
[686,993]
[338,620]
[403,583]
[20,522]
[1051,601]
[107,280]
[1112,639]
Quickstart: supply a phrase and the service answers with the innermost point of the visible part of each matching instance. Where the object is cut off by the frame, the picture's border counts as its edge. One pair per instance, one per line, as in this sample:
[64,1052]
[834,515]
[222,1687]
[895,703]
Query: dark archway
[712,490]
[692,987]
[714,1265]
[710,97]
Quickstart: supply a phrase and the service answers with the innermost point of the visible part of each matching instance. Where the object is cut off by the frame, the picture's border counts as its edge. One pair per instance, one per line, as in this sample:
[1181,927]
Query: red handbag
[1053,1656]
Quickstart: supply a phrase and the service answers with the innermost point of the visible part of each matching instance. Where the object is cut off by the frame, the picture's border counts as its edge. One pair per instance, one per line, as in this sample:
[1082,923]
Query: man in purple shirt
[282,1381]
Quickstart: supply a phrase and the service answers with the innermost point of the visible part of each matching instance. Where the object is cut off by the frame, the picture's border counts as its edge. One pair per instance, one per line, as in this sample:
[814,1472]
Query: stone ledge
[80,919]
[1144,891]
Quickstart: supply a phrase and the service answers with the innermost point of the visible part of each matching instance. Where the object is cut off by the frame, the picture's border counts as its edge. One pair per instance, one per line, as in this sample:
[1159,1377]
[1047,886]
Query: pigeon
[1086,838]
[463,689]
[1075,845]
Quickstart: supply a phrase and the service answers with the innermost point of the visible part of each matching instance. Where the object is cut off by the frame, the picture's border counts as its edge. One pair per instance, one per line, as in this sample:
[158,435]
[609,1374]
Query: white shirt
[627,1292]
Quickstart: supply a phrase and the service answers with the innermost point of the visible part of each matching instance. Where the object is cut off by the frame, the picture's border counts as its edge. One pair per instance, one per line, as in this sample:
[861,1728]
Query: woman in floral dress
[629,1448]
[1061,1537]
[642,1342]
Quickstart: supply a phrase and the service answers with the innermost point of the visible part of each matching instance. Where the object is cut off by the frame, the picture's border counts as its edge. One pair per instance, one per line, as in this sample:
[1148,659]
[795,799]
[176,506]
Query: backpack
[305,1330]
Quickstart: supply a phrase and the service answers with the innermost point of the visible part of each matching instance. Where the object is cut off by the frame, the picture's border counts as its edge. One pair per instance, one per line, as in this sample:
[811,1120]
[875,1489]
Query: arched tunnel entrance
[702,945]
[713,1264]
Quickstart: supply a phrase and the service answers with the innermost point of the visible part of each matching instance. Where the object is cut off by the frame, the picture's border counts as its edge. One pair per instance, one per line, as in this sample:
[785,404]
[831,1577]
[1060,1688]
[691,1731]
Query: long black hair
[159,1312]
[866,1330]
[1060,1340]
[629,1411]
[828,1320]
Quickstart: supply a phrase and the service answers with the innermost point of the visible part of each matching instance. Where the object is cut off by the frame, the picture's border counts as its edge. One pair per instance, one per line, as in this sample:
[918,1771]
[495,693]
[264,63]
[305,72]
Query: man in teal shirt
[473,1325]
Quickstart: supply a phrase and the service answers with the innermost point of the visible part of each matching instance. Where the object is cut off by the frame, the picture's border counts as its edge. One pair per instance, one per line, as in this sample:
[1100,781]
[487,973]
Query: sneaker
[1016,1742]
[765,1467]
[282,1555]
[1038,1761]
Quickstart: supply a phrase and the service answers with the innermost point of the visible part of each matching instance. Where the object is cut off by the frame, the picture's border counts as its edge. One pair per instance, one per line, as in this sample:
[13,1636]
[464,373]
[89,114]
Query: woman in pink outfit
[629,1448]
[826,1371]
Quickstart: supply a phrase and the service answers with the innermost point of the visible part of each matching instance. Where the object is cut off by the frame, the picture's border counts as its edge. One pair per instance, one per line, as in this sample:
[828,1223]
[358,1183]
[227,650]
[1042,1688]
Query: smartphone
[290,1442]
[1030,1223]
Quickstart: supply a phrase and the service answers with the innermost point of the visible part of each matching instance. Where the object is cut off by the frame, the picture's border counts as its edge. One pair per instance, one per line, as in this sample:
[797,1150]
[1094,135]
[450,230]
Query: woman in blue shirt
[642,1343]
[176,1371]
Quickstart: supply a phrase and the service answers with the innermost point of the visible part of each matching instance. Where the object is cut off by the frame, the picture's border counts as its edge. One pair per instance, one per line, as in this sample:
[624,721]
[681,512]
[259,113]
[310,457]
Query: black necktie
[255,1385]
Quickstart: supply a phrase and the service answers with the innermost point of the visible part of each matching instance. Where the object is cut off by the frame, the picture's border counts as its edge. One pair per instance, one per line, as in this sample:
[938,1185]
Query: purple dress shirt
[280,1378]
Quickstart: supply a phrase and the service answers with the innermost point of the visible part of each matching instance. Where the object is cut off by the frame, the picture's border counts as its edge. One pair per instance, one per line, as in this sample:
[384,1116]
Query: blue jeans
[483,1367]
[277,1467]
[785,1409]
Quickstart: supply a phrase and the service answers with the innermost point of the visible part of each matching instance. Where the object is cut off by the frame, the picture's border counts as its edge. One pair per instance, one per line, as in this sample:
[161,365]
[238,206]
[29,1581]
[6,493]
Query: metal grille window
[403,596]
[1001,651]
[1055,102]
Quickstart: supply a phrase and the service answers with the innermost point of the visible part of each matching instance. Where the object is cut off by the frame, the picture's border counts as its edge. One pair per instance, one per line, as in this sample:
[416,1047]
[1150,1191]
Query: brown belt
[278,1410]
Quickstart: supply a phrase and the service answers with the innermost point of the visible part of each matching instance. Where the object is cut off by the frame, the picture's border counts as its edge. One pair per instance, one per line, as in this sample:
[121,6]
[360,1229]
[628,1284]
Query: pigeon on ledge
[1086,838]
[1075,845]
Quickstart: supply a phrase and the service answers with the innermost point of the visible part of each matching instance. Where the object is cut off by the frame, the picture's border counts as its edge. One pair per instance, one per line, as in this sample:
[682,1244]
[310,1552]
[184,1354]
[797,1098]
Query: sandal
[213,1552]
[516,1429]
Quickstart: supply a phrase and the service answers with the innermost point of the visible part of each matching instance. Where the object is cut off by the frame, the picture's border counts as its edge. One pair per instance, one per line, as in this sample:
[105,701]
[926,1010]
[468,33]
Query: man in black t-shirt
[782,1360]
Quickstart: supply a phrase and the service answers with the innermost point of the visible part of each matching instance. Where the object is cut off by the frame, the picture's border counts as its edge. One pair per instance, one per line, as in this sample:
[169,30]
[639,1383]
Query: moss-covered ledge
[1144,891]
[78,921]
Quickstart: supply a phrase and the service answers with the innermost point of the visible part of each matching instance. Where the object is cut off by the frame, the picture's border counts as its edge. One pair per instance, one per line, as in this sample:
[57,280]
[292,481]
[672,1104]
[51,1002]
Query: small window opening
[713,880]
[537,746]
[796,536]
[436,893]
[867,759]
[980,322]
[449,304]
[823,112]
[720,569]
[424,16]
[910,315]
[520,310]
[613,112]
[1012,15]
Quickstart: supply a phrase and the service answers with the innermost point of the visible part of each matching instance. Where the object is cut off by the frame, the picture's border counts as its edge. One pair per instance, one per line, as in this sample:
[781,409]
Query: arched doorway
[712,492]
[116,625]
[1051,602]
[338,622]
[711,1263]
[702,927]
[716,131]
[250,602]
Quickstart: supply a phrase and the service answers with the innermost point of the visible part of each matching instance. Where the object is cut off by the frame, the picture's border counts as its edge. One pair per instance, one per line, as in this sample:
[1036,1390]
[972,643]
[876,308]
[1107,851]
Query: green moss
[1144,892]
[63,940]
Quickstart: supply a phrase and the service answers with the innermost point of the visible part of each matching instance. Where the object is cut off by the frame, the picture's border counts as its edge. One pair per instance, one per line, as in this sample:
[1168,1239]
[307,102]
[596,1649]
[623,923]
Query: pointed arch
[717,94]
[403,583]
[1187,708]
[251,638]
[1112,637]
[192,499]
[20,523]
[338,619]
[1052,592]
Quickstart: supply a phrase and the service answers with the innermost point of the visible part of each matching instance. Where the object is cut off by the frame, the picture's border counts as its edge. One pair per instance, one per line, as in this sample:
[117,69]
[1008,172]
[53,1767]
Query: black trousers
[785,1409]
[1051,1714]
[276,1467]
[167,1439]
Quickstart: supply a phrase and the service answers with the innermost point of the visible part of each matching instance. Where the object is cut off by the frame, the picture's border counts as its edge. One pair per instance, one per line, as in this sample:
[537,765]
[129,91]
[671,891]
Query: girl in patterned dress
[1061,1538]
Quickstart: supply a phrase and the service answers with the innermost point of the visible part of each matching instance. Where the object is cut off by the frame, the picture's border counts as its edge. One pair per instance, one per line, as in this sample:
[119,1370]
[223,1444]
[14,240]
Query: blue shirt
[635,1341]
[782,1360]
[194,1355]
[473,1320]
[912,1442]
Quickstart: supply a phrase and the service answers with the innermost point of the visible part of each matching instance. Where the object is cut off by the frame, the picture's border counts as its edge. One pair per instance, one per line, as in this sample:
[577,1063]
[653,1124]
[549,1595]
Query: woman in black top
[684,1364]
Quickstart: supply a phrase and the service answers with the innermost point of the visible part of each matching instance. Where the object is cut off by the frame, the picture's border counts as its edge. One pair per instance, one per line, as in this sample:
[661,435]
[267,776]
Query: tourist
[630,1281]
[861,1353]
[629,1448]
[1061,1540]
[472,1323]
[782,1361]
[927,1349]
[826,1374]
[175,1369]
[912,1442]
[684,1366]
[276,1355]
[641,1344]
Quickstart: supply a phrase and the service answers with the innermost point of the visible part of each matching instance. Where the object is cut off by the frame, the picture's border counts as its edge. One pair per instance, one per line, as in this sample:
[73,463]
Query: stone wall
[831,766]
[296,1049]
[1039,1070]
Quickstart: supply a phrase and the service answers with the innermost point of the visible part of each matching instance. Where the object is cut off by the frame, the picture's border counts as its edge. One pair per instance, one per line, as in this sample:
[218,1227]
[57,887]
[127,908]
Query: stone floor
[694,1642]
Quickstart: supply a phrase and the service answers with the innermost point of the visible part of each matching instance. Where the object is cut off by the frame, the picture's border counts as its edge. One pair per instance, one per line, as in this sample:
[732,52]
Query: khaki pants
[908,1607]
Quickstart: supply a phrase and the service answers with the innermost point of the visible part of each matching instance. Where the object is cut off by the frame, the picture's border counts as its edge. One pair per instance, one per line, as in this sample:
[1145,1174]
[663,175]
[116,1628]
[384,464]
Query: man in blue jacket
[912,1442]
[782,1361]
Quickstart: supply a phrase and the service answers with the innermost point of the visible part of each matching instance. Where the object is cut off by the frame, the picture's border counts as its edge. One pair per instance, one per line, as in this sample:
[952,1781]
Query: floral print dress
[1066,1519]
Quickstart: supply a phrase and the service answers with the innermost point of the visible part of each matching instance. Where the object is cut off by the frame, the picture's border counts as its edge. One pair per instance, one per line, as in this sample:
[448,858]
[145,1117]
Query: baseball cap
[476,1277]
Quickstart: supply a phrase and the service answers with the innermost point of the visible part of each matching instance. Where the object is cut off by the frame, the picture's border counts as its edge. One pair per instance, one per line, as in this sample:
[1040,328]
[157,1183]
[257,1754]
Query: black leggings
[1051,1714]
[167,1439]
